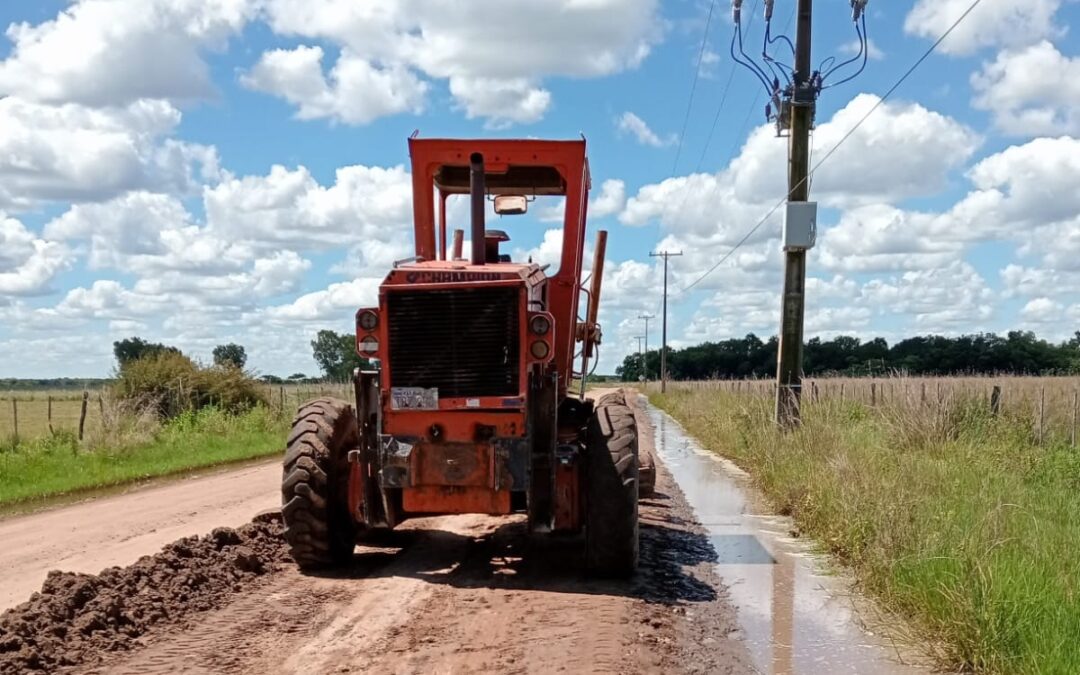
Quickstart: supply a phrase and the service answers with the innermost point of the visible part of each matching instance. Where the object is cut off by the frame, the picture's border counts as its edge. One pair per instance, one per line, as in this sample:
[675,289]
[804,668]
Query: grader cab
[470,408]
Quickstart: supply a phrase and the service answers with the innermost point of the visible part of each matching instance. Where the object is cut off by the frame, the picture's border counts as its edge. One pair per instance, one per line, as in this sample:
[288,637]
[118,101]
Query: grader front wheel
[314,488]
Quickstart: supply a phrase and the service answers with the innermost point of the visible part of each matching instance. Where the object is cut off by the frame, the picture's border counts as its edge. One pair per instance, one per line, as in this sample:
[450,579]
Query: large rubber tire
[314,488]
[611,491]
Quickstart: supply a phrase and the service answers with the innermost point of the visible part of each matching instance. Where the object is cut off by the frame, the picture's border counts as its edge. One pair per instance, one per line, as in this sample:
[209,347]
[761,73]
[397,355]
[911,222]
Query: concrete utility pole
[645,363]
[663,349]
[790,357]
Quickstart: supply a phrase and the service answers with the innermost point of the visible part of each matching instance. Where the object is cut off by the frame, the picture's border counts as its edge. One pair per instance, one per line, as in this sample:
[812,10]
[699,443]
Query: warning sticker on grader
[414,398]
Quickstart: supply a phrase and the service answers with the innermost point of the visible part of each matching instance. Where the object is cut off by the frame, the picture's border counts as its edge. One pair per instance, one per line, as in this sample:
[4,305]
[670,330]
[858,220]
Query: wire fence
[28,415]
[1049,406]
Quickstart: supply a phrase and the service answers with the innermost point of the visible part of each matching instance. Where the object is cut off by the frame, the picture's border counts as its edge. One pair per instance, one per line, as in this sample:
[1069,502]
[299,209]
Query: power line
[881,101]
[693,86]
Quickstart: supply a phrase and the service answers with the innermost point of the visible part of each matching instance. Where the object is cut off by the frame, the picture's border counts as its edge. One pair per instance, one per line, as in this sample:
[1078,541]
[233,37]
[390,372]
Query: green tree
[336,354]
[231,354]
[134,348]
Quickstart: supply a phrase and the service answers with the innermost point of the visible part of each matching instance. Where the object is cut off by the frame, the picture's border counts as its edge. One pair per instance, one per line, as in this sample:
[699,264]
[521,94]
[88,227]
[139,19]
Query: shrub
[171,383]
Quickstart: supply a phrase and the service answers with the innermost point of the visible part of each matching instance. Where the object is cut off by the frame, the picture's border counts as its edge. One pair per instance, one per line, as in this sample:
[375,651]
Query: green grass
[54,465]
[951,518]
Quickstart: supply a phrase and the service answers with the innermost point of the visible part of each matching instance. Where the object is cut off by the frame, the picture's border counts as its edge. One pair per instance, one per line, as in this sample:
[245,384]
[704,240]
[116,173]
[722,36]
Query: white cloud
[502,101]
[115,52]
[999,23]
[355,92]
[1043,310]
[1033,91]
[69,152]
[880,237]
[495,73]
[336,301]
[611,200]
[288,207]
[28,263]
[945,299]
[635,126]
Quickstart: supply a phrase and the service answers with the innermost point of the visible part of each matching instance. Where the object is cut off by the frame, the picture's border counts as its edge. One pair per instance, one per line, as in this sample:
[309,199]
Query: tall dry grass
[958,519]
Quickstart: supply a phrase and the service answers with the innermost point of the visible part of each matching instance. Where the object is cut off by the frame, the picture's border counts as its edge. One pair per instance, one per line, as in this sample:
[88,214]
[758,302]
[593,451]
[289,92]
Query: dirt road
[117,530]
[457,594]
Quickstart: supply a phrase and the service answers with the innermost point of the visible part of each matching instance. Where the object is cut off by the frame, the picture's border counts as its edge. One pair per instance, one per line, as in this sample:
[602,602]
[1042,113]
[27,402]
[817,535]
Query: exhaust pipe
[476,189]
[459,238]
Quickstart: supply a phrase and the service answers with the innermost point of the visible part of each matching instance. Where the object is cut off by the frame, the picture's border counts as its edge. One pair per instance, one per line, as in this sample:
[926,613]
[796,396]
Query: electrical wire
[864,51]
[693,86]
[832,151]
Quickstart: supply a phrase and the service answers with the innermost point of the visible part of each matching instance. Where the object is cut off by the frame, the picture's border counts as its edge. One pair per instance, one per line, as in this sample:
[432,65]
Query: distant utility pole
[645,363]
[804,99]
[641,356]
[663,349]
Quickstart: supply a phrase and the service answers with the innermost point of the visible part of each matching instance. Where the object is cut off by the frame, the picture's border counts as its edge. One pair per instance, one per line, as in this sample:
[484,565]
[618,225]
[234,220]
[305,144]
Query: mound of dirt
[76,617]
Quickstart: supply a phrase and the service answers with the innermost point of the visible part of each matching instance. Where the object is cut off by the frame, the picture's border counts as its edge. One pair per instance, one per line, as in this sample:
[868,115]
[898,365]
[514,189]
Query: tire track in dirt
[464,594]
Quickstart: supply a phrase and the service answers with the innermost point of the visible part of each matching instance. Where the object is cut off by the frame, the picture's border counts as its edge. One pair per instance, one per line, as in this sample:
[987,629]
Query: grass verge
[56,465]
[950,517]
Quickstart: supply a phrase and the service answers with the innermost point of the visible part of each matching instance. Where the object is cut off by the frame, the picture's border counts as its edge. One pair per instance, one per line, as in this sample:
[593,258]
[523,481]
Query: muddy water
[795,616]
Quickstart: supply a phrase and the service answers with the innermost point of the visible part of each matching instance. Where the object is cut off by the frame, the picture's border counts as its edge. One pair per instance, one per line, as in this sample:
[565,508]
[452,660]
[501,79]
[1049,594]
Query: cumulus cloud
[95,52]
[629,123]
[1006,23]
[354,92]
[289,207]
[611,200]
[69,152]
[494,73]
[28,263]
[1033,91]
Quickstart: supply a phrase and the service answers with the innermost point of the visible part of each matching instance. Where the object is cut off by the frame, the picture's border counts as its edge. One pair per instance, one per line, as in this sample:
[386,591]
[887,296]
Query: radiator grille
[465,342]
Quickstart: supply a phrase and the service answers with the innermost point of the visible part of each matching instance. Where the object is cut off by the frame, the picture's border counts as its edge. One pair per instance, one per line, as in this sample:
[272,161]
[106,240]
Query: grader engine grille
[464,342]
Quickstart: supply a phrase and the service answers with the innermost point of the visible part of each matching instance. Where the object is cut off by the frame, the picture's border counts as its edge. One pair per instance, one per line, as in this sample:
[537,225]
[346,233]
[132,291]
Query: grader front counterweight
[469,407]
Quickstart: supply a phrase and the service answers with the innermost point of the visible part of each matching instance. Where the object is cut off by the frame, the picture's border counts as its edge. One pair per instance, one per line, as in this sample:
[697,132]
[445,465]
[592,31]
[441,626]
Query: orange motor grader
[469,408]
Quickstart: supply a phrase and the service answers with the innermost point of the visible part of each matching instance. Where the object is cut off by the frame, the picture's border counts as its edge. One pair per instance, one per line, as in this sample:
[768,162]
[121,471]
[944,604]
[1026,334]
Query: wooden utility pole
[790,357]
[645,363]
[663,349]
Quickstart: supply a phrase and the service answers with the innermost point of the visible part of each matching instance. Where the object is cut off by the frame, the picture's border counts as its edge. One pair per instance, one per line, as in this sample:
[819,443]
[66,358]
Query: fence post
[1042,413]
[922,394]
[814,391]
[873,394]
[995,400]
[841,392]
[15,416]
[51,432]
[1076,404]
[82,413]
[281,399]
[101,409]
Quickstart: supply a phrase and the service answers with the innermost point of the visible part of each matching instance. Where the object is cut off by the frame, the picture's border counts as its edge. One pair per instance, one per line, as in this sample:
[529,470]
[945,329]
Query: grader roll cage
[469,409]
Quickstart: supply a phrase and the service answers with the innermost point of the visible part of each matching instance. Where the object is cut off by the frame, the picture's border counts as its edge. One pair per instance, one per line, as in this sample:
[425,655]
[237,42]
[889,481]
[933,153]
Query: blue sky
[207,171]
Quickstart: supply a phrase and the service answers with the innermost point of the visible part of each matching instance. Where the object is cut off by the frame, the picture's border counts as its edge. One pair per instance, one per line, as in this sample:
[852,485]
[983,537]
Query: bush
[172,383]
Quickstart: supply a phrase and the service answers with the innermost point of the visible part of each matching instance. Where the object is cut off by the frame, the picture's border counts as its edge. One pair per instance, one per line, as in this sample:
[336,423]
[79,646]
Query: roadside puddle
[795,616]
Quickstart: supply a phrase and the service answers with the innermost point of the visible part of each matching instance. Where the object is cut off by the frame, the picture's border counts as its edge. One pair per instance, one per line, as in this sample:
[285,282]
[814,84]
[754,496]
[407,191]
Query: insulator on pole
[736,10]
[857,8]
[768,9]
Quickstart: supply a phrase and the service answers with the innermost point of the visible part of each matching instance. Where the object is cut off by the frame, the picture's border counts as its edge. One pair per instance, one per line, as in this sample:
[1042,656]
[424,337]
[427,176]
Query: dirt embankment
[459,594]
[81,618]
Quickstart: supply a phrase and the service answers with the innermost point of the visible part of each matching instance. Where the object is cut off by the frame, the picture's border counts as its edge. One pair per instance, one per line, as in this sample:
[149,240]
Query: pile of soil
[76,617]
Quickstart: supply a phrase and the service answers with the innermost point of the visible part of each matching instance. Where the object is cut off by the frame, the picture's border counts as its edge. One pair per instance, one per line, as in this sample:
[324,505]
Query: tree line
[1018,352]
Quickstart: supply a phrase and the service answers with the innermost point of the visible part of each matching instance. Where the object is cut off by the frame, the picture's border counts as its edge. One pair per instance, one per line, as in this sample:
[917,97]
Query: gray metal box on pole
[800,226]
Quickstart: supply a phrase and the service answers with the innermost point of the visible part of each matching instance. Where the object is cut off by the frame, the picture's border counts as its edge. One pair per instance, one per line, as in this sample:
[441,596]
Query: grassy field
[57,464]
[961,521]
